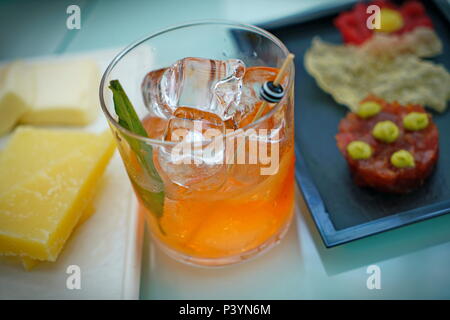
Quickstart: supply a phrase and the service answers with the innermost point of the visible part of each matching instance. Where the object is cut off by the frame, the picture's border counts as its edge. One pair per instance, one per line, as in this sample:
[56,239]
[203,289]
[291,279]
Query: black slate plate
[342,211]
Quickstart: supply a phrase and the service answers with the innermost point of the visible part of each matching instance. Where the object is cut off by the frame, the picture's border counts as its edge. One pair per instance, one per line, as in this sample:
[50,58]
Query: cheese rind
[38,213]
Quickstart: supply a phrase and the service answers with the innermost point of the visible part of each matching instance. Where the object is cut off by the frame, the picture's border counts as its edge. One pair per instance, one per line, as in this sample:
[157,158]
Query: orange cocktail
[209,153]
[247,213]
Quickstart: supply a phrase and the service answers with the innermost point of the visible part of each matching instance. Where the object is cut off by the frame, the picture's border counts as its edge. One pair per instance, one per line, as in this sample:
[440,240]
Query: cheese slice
[66,93]
[44,147]
[30,263]
[39,211]
[17,93]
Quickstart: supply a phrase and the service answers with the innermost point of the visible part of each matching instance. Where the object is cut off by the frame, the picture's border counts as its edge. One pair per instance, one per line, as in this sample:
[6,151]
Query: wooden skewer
[283,69]
[276,82]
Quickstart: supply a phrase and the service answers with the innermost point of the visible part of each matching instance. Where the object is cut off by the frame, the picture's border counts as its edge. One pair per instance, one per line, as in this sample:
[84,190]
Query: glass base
[225,261]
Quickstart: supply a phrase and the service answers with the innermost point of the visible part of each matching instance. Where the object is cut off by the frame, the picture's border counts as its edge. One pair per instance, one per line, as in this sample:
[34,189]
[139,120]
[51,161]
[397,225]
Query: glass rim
[138,42]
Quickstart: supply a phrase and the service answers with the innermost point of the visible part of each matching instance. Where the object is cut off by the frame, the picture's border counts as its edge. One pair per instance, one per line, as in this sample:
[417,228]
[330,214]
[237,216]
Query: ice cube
[158,94]
[228,91]
[155,127]
[196,159]
[193,119]
[208,85]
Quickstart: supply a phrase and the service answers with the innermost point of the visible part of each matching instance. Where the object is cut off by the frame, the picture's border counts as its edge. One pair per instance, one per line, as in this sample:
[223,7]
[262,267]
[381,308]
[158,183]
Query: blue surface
[414,260]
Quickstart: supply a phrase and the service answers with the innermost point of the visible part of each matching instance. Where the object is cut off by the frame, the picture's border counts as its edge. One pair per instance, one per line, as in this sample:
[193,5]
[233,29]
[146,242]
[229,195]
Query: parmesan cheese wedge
[61,92]
[46,193]
[29,263]
[17,93]
[66,93]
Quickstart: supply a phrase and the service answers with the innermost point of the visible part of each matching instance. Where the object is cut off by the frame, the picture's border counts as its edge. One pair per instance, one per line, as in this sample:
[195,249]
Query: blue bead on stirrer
[272,91]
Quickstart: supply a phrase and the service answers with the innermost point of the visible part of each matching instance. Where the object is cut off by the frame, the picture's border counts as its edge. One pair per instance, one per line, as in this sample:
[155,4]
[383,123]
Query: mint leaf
[128,118]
